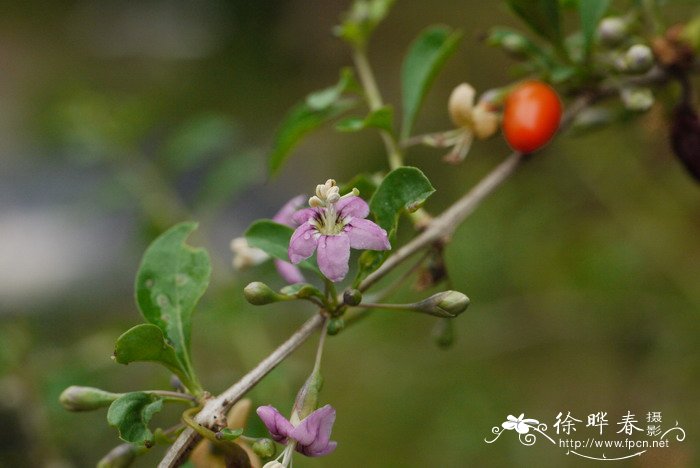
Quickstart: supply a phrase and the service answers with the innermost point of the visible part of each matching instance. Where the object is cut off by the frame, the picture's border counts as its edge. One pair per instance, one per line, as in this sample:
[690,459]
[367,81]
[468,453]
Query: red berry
[531,116]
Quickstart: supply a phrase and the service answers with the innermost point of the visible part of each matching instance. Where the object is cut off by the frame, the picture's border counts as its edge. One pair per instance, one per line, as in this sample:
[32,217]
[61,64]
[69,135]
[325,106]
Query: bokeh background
[120,119]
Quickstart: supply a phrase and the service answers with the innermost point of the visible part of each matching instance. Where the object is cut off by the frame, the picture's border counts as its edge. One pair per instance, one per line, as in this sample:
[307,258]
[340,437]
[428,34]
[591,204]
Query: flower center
[329,222]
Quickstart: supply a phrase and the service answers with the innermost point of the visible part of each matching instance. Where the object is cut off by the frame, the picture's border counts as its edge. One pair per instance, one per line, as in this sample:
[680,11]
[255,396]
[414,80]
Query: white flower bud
[639,58]
[637,99]
[484,121]
[245,256]
[461,104]
[612,31]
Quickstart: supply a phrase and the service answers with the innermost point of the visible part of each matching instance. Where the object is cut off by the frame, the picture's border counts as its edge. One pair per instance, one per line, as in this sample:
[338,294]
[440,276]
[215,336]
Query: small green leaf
[318,108]
[405,188]
[131,413]
[361,20]
[498,36]
[591,12]
[301,121]
[382,119]
[273,238]
[426,56]
[542,16]
[171,279]
[146,342]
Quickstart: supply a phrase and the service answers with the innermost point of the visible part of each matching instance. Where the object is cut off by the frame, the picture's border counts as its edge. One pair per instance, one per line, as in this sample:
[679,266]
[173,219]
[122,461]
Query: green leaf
[426,56]
[273,238]
[591,12]
[171,279]
[542,16]
[405,188]
[301,121]
[325,98]
[131,413]
[146,342]
[382,118]
[362,19]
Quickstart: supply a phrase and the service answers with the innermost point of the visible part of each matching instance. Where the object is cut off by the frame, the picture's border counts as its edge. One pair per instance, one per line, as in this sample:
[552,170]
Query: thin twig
[214,411]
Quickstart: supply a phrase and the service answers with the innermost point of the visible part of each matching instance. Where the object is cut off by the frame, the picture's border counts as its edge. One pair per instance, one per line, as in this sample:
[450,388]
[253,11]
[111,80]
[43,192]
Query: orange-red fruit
[531,116]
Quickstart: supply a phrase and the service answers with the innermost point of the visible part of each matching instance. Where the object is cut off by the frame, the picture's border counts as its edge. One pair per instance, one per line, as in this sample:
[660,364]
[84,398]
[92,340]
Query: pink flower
[311,435]
[333,225]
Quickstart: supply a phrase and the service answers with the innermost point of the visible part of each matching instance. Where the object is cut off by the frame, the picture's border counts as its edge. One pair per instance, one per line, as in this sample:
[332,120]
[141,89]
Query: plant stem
[374,100]
[216,408]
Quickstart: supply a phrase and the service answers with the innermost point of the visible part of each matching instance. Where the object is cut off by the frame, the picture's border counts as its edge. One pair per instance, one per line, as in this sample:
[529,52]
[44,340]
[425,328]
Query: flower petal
[284,215]
[509,425]
[278,426]
[289,272]
[301,216]
[303,243]
[313,432]
[522,428]
[352,206]
[364,235]
[333,256]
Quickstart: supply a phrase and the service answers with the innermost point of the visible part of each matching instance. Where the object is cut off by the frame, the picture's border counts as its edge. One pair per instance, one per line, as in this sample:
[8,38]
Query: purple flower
[333,225]
[311,435]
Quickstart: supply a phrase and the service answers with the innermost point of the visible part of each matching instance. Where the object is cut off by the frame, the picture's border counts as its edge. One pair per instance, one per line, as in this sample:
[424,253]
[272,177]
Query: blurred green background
[121,118]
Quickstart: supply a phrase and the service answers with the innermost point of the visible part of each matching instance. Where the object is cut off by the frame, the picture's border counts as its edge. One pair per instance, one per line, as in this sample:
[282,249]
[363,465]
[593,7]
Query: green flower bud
[352,297]
[443,333]
[639,58]
[264,448]
[637,99]
[258,293]
[515,45]
[335,326]
[612,31]
[448,304]
[76,398]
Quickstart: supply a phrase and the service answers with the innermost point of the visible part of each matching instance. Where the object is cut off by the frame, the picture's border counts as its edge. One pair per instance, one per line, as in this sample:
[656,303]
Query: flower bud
[307,398]
[484,121]
[639,58]
[637,99]
[612,31]
[352,297]
[273,464]
[264,448]
[460,105]
[448,304]
[443,333]
[515,45]
[76,398]
[258,293]
[302,291]
[335,326]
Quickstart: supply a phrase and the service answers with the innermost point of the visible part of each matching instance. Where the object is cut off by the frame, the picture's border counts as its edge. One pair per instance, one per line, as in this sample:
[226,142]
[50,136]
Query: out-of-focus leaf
[325,98]
[499,35]
[171,279]
[382,119]
[426,56]
[131,413]
[273,238]
[318,108]
[591,12]
[542,16]
[146,342]
[198,140]
[361,20]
